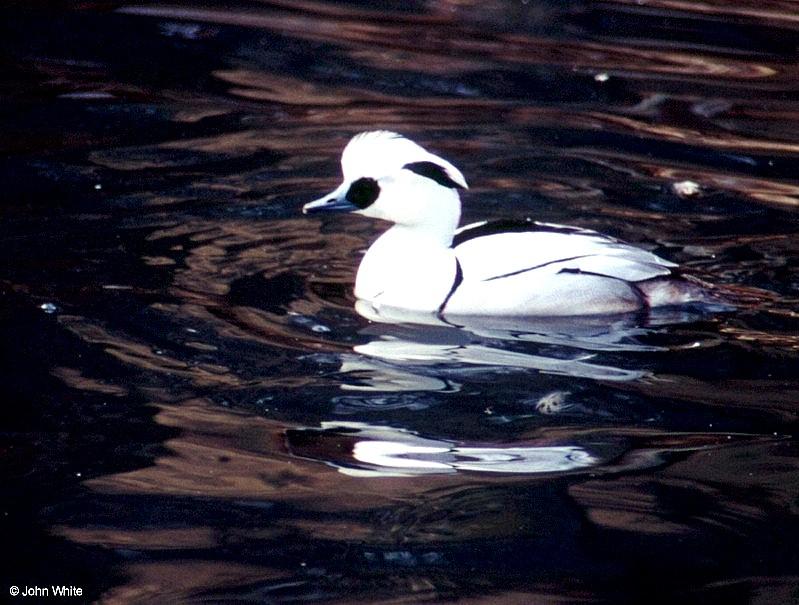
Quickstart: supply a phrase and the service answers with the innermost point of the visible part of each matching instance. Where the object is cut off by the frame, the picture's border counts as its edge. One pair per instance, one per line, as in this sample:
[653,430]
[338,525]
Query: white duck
[424,263]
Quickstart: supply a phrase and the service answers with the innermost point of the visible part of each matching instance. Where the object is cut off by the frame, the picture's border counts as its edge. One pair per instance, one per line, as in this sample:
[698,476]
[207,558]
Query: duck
[425,263]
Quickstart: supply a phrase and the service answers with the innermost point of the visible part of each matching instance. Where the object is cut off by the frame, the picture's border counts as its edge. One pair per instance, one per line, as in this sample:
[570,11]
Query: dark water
[193,411]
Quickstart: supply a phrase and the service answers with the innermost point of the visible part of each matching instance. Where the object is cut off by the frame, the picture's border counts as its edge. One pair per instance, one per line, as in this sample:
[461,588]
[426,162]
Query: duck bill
[332,202]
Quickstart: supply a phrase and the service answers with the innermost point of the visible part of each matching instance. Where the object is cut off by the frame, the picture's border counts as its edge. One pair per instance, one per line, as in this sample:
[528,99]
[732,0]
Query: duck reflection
[362,450]
[381,451]
[417,351]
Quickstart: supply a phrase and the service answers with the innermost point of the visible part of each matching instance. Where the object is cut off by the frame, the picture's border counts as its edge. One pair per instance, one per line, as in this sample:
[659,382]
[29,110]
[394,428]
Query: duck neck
[423,236]
[412,264]
[437,228]
[407,267]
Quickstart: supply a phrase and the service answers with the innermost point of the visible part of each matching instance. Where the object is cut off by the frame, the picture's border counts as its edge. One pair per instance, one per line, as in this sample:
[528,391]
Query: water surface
[196,412]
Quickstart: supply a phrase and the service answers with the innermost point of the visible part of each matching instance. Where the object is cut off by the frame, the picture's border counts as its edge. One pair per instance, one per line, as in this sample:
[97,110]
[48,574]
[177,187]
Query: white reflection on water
[389,452]
[408,351]
[394,349]
[590,333]
[373,375]
[363,450]
[493,460]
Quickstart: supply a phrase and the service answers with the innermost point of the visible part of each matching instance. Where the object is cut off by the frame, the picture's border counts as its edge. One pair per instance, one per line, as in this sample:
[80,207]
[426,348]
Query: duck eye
[363,192]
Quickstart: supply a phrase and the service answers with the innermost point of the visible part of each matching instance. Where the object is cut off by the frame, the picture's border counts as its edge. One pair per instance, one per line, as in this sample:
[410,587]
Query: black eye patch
[363,192]
[431,170]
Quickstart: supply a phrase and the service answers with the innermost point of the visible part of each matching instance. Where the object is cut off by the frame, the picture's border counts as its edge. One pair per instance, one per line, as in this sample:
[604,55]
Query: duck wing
[501,249]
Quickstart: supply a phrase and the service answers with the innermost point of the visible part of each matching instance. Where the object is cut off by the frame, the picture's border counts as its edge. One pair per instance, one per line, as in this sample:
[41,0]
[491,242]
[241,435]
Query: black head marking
[434,171]
[363,192]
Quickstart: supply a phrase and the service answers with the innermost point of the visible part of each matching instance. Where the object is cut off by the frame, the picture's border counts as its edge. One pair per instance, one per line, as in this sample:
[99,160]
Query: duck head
[389,177]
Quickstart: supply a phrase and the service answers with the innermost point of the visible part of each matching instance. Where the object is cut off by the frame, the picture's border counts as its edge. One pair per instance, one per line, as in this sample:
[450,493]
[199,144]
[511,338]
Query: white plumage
[424,263]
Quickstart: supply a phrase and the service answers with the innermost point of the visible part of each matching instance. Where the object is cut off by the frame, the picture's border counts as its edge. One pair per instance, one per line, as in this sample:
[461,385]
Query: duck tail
[687,289]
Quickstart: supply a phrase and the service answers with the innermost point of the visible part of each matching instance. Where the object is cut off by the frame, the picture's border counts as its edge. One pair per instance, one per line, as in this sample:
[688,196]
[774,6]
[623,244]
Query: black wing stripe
[514,226]
[552,262]
[455,283]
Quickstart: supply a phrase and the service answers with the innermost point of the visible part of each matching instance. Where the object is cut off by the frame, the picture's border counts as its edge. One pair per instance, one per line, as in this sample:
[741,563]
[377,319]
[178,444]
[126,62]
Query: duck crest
[382,152]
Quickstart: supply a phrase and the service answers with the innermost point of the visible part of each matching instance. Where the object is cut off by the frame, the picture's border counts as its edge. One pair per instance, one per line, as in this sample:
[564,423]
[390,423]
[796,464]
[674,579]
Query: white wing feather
[496,255]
